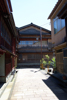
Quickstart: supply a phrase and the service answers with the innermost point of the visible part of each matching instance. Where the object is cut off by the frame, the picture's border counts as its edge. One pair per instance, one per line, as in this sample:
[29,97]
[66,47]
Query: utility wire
[45,24]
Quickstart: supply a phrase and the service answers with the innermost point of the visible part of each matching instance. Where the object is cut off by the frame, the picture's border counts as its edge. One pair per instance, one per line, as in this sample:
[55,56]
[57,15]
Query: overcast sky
[35,11]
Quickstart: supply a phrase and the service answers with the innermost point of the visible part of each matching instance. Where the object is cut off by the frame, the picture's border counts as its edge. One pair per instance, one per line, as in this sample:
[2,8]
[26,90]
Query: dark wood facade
[8,38]
[29,49]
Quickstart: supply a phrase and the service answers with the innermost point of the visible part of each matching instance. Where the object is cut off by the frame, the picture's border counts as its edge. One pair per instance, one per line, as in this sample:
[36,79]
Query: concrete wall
[2,65]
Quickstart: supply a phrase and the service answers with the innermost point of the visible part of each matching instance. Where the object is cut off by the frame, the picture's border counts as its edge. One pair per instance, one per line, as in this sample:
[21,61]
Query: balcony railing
[32,50]
[32,46]
[5,44]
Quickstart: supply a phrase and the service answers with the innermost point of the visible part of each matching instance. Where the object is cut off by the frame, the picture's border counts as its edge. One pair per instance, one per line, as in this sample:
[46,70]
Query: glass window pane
[26,42]
[55,27]
[59,24]
[30,42]
[63,23]
[23,43]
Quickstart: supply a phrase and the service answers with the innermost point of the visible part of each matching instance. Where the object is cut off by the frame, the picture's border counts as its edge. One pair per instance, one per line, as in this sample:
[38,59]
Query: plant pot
[64,77]
[41,66]
[49,70]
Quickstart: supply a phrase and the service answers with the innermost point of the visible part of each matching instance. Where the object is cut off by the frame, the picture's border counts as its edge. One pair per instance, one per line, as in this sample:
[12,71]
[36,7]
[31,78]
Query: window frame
[56,21]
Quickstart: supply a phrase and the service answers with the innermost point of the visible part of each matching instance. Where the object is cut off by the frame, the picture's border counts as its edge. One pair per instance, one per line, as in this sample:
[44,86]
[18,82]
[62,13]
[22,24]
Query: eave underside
[63,12]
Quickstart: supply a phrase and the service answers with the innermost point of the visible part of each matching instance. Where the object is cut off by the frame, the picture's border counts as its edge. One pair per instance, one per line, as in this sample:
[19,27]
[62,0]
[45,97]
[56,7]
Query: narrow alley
[32,84]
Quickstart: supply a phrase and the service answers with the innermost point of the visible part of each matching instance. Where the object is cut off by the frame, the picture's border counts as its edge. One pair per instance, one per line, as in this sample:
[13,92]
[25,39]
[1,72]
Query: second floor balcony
[5,45]
[33,48]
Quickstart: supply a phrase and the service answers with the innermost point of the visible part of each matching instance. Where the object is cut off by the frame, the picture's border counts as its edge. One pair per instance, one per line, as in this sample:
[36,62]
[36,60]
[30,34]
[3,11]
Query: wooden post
[66,28]
[0,28]
[41,41]
[41,46]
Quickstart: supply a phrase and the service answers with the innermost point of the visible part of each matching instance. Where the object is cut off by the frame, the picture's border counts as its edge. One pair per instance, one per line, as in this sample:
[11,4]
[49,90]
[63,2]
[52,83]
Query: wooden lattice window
[24,57]
[59,62]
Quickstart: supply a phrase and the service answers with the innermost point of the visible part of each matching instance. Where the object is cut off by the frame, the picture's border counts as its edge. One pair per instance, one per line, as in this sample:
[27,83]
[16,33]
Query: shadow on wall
[55,87]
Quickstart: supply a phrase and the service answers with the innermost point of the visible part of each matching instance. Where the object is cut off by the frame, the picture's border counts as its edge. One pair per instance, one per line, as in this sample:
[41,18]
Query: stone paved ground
[31,84]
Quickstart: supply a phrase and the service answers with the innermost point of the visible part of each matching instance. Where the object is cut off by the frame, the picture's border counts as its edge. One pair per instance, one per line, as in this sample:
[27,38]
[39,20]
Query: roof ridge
[31,24]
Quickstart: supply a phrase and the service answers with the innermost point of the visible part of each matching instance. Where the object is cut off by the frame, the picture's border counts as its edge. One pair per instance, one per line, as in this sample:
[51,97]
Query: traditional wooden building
[8,40]
[58,18]
[31,48]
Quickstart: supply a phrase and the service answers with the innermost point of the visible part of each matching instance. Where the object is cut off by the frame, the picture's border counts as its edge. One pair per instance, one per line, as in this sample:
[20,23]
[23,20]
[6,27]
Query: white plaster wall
[2,65]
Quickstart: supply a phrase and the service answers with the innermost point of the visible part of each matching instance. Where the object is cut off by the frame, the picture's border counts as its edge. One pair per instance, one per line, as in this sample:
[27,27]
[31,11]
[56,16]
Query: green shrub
[53,62]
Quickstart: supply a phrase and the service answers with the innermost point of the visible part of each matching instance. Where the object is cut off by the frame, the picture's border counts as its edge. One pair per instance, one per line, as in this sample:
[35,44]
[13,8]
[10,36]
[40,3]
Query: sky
[32,11]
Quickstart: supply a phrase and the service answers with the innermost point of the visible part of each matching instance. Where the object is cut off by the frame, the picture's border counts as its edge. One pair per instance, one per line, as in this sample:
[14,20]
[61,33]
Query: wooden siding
[13,62]
[0,28]
[31,57]
[13,45]
[8,68]
[5,44]
[59,62]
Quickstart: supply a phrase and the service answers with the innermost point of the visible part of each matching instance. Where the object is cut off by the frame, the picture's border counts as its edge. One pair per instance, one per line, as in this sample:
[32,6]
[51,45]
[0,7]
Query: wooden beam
[61,46]
[1,53]
[34,35]
[37,53]
[63,12]
[31,39]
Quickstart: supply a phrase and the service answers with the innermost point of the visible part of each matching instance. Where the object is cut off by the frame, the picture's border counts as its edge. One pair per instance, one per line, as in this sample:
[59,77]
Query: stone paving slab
[31,84]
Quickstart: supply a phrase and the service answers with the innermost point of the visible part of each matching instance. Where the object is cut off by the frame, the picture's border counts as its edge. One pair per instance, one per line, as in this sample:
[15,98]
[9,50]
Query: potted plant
[64,77]
[48,62]
[42,64]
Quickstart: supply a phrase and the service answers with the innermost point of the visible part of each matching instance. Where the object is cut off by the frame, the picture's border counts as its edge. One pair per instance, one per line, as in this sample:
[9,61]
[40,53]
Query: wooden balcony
[6,45]
[31,49]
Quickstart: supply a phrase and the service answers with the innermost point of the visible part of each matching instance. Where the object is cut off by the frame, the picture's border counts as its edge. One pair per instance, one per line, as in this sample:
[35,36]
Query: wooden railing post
[0,28]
